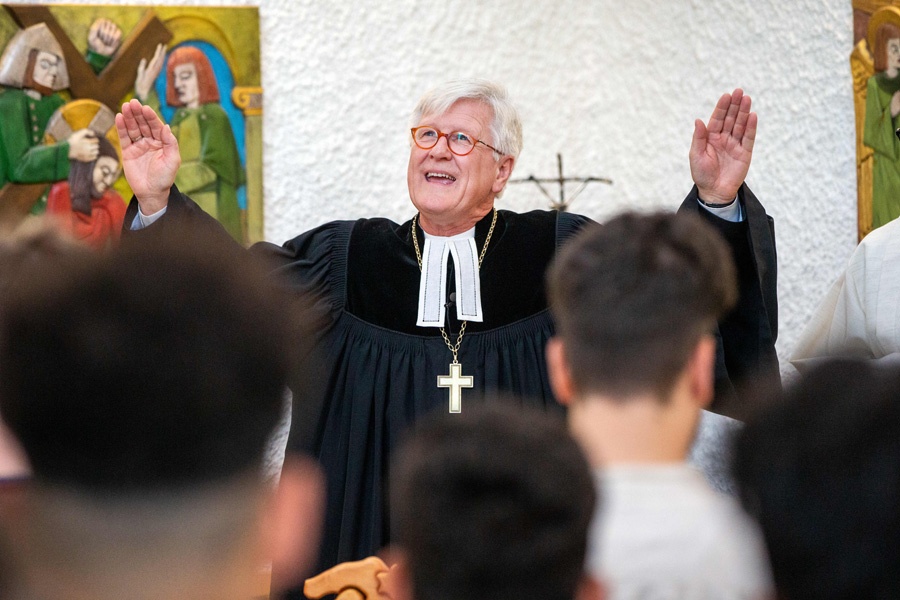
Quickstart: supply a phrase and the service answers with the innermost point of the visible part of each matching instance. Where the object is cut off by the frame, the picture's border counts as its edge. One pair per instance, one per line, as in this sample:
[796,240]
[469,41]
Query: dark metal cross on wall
[562,204]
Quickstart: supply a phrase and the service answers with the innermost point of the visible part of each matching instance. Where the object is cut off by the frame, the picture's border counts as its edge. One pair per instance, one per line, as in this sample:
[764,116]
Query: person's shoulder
[544,218]
[537,214]
[887,234]
[376,225]
[325,230]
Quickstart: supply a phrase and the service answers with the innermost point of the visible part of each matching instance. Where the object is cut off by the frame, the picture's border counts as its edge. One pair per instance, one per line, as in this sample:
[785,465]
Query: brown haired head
[206,79]
[887,31]
[632,299]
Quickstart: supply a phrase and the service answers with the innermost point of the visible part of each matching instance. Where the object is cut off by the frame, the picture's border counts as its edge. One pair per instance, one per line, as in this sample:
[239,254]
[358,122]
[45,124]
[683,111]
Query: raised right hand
[150,156]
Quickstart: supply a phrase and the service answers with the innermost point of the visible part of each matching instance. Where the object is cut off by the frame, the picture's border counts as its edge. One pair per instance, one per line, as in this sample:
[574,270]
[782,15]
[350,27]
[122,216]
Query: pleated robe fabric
[376,372]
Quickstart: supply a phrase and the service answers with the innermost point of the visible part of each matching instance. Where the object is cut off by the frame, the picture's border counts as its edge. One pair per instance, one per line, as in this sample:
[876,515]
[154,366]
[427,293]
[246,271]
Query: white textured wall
[612,84]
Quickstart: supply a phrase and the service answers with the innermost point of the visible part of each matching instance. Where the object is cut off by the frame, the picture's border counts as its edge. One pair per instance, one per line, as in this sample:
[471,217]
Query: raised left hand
[721,150]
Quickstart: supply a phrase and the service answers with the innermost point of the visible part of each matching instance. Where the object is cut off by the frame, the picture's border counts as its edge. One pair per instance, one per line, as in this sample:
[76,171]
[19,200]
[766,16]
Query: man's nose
[442,147]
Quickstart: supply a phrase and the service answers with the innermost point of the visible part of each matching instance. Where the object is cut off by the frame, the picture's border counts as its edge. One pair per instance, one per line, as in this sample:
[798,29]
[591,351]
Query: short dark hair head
[631,299]
[820,471]
[493,503]
[160,365]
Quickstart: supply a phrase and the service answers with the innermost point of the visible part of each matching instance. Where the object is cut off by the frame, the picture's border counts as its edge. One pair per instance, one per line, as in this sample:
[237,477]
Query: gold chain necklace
[455,381]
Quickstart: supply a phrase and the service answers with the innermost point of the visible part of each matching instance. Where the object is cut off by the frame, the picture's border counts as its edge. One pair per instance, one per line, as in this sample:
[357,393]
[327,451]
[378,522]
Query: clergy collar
[465,248]
[459,236]
[481,230]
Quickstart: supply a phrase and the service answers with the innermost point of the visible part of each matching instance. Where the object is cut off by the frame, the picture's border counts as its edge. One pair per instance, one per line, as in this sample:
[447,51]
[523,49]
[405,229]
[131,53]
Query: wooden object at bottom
[360,580]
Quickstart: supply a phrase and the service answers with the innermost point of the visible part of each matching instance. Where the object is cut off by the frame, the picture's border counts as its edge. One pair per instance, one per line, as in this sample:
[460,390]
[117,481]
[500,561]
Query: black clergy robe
[375,372]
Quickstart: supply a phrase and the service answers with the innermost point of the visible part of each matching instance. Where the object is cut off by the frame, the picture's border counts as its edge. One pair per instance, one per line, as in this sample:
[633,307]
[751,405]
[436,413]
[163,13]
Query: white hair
[505,128]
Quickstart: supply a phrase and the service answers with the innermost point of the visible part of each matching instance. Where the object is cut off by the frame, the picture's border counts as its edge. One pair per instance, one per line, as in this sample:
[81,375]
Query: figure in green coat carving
[211,170]
[32,71]
[882,110]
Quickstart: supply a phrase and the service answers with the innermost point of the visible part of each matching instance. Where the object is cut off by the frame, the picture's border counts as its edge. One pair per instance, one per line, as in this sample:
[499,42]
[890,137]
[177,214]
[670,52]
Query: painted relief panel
[65,70]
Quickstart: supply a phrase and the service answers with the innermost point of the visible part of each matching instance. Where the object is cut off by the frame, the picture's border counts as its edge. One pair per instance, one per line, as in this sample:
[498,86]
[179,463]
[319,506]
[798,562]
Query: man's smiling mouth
[439,177]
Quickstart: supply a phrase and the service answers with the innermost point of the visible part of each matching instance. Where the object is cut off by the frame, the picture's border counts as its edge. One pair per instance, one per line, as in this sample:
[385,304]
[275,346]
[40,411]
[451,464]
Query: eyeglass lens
[459,142]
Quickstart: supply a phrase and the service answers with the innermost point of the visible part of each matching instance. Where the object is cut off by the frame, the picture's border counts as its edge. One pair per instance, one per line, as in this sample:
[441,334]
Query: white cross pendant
[455,381]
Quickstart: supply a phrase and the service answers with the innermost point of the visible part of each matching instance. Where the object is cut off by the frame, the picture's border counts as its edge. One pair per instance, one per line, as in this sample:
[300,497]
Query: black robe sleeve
[745,352]
[181,211]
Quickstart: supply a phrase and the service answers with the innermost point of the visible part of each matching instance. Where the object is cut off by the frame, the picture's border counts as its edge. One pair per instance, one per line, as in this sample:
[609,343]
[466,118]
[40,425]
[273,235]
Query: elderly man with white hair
[436,312]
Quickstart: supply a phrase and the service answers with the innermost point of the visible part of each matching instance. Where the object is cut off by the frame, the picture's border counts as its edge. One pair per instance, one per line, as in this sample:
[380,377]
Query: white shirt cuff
[730,212]
[141,220]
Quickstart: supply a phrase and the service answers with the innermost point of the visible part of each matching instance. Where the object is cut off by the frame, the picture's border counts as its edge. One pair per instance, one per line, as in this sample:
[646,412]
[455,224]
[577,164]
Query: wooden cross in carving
[109,87]
[117,79]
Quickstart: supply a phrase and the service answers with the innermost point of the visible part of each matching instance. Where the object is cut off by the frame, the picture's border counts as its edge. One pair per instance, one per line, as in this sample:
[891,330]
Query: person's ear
[701,370]
[590,588]
[504,171]
[292,526]
[559,372]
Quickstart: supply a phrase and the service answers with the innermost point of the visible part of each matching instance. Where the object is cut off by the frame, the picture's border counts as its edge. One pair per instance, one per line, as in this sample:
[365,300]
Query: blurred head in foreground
[493,503]
[636,302]
[144,385]
[24,248]
[820,471]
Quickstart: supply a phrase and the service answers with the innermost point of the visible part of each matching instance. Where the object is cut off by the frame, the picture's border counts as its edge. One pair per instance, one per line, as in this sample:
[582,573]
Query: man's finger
[152,121]
[142,121]
[155,124]
[717,119]
[126,126]
[734,106]
[124,140]
[699,139]
[740,124]
[750,133]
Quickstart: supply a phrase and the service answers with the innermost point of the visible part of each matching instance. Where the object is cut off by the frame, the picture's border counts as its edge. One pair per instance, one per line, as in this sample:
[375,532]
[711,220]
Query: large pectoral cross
[455,381]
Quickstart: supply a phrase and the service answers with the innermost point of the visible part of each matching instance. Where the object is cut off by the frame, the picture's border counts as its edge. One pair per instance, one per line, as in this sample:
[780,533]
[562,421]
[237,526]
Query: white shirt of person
[860,315]
[663,534]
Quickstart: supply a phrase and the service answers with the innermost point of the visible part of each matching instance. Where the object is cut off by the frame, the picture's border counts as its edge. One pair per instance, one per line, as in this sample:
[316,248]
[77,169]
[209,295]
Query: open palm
[150,156]
[721,150]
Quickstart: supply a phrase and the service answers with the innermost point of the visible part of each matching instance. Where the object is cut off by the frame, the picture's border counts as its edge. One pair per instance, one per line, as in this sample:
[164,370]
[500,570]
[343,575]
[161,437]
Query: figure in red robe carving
[86,205]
